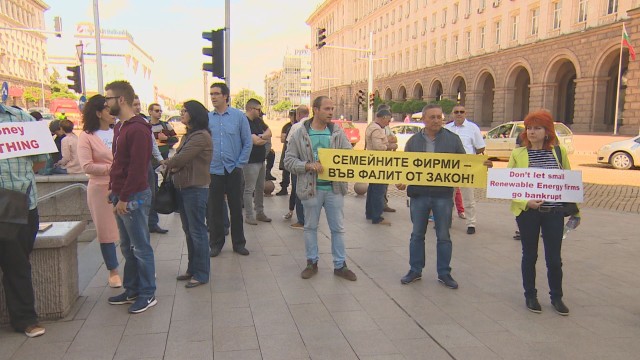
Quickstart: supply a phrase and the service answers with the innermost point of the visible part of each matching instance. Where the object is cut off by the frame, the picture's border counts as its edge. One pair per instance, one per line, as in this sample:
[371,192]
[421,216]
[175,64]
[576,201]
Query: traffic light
[76,79]
[216,51]
[360,97]
[322,35]
[372,99]
[57,26]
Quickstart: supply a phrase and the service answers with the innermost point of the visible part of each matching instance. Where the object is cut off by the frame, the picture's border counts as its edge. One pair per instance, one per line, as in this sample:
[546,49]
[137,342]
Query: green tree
[32,94]
[282,106]
[446,104]
[59,90]
[239,99]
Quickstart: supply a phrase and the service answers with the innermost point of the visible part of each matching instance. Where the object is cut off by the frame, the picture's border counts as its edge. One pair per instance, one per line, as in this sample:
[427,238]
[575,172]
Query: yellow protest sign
[411,168]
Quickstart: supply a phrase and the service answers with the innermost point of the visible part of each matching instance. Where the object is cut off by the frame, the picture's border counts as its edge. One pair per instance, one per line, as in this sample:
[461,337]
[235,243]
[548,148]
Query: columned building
[292,82]
[500,58]
[23,57]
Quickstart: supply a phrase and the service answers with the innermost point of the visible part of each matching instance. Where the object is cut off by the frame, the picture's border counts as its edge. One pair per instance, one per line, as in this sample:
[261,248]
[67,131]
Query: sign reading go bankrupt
[535,184]
[412,168]
[25,138]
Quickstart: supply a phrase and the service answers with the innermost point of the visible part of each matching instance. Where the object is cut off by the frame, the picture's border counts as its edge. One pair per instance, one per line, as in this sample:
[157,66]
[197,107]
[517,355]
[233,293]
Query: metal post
[205,84]
[96,21]
[615,117]
[227,43]
[80,49]
[370,84]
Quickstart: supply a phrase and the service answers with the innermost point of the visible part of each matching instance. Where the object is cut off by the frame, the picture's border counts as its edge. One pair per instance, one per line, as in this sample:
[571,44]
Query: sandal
[288,215]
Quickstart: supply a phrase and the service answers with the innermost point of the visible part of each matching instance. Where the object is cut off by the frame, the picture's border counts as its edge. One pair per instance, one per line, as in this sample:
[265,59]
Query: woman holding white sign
[537,151]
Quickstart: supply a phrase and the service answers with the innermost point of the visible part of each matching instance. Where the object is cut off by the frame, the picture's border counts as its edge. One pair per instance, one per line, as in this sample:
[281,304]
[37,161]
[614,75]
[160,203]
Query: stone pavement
[258,307]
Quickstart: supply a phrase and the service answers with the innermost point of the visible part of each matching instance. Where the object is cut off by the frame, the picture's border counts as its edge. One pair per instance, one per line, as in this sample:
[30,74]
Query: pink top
[69,150]
[95,157]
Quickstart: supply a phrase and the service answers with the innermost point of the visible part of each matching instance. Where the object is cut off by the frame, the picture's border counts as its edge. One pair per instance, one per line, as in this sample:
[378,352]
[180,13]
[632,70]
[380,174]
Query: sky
[171,32]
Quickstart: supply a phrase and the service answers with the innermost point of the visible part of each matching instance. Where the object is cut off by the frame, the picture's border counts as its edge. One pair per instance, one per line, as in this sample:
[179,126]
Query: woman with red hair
[538,151]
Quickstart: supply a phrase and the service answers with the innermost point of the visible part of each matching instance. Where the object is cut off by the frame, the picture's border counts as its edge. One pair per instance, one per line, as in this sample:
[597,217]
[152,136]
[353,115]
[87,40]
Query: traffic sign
[82,102]
[5,91]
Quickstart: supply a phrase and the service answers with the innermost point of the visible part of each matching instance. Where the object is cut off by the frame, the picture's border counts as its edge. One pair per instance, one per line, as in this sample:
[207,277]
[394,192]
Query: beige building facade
[500,58]
[22,54]
[292,82]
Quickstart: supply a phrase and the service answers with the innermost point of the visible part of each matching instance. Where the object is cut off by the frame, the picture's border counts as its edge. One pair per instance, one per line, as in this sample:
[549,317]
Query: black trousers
[530,223]
[271,159]
[16,268]
[231,185]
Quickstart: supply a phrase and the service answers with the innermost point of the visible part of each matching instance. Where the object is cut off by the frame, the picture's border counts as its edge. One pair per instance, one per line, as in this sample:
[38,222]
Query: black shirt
[258,152]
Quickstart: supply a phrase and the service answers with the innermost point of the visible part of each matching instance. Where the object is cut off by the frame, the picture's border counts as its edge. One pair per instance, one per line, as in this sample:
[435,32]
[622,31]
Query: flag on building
[626,41]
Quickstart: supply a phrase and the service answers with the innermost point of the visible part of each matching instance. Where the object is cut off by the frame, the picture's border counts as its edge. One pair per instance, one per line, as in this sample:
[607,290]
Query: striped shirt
[17,173]
[543,159]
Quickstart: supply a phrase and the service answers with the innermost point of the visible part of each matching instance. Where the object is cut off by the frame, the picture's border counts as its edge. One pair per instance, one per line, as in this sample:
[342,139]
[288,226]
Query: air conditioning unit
[496,4]
[467,15]
[455,20]
[433,28]
[442,25]
[424,32]
[480,10]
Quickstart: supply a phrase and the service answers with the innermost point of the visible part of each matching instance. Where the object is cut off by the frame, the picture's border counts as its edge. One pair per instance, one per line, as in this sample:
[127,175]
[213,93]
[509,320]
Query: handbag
[14,213]
[569,208]
[166,201]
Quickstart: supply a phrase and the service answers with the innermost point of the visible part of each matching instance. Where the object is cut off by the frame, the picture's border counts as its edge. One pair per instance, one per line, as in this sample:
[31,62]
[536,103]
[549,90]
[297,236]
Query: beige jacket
[190,164]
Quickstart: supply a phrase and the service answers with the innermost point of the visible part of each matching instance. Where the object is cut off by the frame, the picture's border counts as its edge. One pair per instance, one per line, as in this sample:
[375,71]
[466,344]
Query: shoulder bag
[14,212]
[569,207]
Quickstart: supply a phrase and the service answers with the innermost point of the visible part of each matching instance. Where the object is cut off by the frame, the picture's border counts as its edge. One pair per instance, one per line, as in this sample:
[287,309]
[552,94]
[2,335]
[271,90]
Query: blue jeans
[333,207]
[153,185]
[139,267]
[109,255]
[193,211]
[297,202]
[420,208]
[375,202]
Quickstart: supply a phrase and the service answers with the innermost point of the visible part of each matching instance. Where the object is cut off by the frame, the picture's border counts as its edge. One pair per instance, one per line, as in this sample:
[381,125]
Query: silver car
[404,132]
[501,140]
[622,155]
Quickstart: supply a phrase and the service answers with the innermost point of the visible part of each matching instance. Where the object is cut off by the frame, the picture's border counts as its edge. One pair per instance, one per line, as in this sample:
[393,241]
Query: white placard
[25,138]
[535,184]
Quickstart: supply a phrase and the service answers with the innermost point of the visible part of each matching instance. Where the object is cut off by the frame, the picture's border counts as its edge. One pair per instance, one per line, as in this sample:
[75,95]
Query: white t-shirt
[106,136]
[470,135]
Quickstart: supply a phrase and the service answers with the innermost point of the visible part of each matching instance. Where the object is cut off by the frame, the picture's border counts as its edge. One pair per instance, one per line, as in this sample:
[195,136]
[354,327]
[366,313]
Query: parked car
[177,125]
[622,155]
[405,131]
[352,132]
[501,140]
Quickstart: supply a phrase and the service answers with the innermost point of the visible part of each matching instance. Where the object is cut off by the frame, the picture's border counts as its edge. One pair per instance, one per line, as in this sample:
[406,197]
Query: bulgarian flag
[626,41]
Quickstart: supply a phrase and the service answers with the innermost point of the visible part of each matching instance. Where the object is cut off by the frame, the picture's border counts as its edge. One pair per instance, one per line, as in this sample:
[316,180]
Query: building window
[455,45]
[535,16]
[434,17]
[434,51]
[468,12]
[400,14]
[406,36]
[582,10]
[444,49]
[498,26]
[557,15]
[456,9]
[514,27]
[399,35]
[612,6]
[444,17]
[424,26]
[425,53]
[468,41]
[482,5]
[415,29]
[481,34]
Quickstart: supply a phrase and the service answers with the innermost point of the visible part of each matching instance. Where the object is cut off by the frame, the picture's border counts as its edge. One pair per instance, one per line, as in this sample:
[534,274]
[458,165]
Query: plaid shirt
[17,173]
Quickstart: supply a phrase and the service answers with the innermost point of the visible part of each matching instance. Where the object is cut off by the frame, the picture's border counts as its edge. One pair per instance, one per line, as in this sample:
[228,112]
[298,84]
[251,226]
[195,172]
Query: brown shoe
[388,209]
[34,331]
[383,222]
[310,270]
[297,226]
[345,273]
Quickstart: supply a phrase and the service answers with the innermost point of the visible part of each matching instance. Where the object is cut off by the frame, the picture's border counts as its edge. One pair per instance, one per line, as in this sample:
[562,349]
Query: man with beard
[131,197]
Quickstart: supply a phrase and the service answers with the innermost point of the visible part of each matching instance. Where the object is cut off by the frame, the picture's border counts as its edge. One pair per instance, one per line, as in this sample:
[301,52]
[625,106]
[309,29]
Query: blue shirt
[231,140]
[17,173]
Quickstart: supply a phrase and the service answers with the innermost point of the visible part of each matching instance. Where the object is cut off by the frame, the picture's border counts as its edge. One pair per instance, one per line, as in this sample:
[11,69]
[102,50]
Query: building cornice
[317,11]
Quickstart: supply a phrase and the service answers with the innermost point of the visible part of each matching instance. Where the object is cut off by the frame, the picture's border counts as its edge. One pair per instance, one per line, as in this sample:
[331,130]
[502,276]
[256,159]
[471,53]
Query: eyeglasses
[459,112]
[107,98]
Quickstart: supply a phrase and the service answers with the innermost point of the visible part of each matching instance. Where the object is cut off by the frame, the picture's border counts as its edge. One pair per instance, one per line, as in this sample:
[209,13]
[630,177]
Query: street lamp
[80,52]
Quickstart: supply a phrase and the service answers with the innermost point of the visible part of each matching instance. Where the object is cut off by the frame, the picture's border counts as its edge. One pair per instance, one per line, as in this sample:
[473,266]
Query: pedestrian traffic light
[57,26]
[322,35]
[372,99]
[76,79]
[361,100]
[216,51]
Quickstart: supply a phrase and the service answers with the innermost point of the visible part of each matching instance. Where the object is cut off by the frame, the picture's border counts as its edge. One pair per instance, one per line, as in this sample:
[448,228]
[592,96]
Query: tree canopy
[239,99]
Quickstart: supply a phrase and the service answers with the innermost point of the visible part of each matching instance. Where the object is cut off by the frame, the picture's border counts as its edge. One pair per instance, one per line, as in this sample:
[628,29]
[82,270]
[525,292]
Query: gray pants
[469,201]
[253,189]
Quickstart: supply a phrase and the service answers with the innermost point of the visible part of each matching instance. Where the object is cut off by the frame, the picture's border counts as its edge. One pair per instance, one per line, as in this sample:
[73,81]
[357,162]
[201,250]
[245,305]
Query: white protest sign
[25,138]
[535,184]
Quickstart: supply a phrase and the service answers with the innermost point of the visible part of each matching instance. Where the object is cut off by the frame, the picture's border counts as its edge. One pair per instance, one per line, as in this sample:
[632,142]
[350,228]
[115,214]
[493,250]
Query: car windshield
[562,130]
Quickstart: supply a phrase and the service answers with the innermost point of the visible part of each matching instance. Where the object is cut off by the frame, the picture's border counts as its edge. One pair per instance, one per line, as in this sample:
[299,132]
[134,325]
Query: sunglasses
[459,112]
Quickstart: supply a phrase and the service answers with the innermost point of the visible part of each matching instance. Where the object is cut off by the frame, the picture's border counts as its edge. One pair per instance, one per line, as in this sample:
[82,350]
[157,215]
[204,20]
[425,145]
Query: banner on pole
[411,168]
[25,138]
[535,184]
